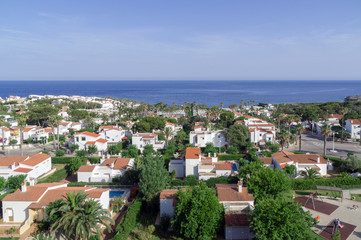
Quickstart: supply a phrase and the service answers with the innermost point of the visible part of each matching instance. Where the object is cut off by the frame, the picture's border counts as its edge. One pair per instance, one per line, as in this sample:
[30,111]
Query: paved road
[26,151]
[314,144]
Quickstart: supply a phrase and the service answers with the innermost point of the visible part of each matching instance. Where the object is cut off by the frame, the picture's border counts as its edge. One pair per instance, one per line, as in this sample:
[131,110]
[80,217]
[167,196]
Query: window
[10,213]
[77,139]
[83,138]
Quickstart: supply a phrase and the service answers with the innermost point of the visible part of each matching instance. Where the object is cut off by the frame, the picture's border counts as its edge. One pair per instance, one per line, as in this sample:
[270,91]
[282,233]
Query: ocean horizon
[210,92]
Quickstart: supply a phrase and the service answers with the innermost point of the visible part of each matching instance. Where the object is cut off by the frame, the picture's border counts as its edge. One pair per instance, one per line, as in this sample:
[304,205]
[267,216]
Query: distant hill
[353,98]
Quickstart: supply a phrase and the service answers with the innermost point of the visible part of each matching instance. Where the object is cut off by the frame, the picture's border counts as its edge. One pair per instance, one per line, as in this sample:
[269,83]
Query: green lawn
[57,176]
[357,197]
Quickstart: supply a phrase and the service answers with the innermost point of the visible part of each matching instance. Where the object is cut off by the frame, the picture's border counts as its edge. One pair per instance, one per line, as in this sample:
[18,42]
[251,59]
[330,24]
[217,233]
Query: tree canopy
[237,135]
[198,213]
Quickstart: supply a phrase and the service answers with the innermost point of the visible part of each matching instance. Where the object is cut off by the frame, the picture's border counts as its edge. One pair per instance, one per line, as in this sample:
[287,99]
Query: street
[314,144]
[26,151]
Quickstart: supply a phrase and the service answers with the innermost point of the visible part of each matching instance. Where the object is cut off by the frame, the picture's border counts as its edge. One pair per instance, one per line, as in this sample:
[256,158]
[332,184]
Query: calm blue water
[203,92]
[115,194]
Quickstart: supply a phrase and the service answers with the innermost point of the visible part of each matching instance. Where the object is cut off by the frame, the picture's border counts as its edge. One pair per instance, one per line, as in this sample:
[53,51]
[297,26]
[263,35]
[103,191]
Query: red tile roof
[88,134]
[355,121]
[23,170]
[193,153]
[168,193]
[229,193]
[266,160]
[86,168]
[223,166]
[119,163]
[101,140]
[235,220]
[90,143]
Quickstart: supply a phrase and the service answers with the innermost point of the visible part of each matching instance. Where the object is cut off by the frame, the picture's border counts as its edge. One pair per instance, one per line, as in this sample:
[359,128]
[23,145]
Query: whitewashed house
[33,166]
[112,133]
[28,204]
[200,166]
[353,126]
[201,138]
[105,171]
[85,139]
[301,161]
[167,201]
[261,131]
[140,140]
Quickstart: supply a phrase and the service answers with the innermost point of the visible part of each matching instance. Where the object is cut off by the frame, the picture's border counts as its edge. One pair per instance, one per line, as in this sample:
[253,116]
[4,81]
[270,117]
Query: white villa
[202,167]
[301,161]
[85,139]
[105,171]
[28,203]
[33,166]
[353,126]
[140,140]
[113,134]
[261,131]
[200,138]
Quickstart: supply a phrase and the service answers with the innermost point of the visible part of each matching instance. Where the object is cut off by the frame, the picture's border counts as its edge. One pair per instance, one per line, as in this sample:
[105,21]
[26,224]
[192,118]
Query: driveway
[314,144]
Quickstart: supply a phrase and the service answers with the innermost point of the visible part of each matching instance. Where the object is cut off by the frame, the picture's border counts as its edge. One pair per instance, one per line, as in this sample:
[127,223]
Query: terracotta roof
[101,140]
[64,123]
[88,134]
[169,123]
[288,157]
[355,121]
[266,160]
[193,153]
[23,170]
[338,116]
[58,193]
[168,193]
[119,163]
[86,168]
[229,192]
[90,143]
[31,160]
[7,161]
[223,166]
[33,193]
[234,220]
[196,127]
[35,159]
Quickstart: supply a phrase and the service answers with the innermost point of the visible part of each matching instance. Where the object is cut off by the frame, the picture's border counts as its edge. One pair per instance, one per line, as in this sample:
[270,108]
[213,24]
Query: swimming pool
[115,193]
[234,167]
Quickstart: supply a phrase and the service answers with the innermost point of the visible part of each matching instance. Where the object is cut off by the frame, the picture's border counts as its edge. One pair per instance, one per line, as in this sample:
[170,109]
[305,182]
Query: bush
[274,148]
[14,182]
[2,183]
[45,152]
[94,160]
[60,160]
[221,180]
[232,150]
[306,184]
[230,157]
[73,166]
[74,147]
[59,153]
[81,153]
[129,221]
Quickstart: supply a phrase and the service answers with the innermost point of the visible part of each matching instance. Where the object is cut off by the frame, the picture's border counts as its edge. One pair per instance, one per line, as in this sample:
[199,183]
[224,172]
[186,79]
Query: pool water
[113,194]
[234,167]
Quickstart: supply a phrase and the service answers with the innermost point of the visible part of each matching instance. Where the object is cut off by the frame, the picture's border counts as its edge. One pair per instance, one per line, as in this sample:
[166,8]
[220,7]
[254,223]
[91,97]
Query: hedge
[82,184]
[221,180]
[337,162]
[306,184]
[129,221]
[66,160]
[230,157]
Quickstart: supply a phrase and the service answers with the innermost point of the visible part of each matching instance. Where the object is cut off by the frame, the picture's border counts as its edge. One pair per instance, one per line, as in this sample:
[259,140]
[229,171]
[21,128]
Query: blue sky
[180,40]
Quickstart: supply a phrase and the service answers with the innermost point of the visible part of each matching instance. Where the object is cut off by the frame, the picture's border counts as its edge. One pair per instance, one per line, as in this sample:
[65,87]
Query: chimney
[240,185]
[318,159]
[215,155]
[23,186]
[209,154]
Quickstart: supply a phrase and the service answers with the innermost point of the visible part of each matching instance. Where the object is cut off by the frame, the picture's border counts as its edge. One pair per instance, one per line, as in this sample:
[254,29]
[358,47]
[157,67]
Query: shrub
[274,148]
[14,182]
[232,150]
[59,153]
[60,160]
[94,160]
[74,147]
[2,183]
[81,153]
[306,184]
[73,166]
[129,221]
[45,151]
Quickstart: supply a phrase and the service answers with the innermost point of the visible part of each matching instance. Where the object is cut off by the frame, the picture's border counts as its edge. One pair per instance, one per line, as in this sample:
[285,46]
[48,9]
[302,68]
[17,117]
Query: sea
[203,92]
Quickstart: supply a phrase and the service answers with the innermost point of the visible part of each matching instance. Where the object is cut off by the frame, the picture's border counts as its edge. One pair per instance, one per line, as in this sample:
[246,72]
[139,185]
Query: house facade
[353,126]
[33,166]
[28,203]
[200,138]
[140,140]
[85,139]
[105,171]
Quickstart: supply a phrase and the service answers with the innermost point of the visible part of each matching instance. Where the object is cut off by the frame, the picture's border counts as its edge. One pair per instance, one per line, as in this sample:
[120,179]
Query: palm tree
[55,121]
[343,112]
[283,136]
[326,132]
[21,119]
[167,133]
[80,217]
[310,173]
[3,124]
[300,129]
